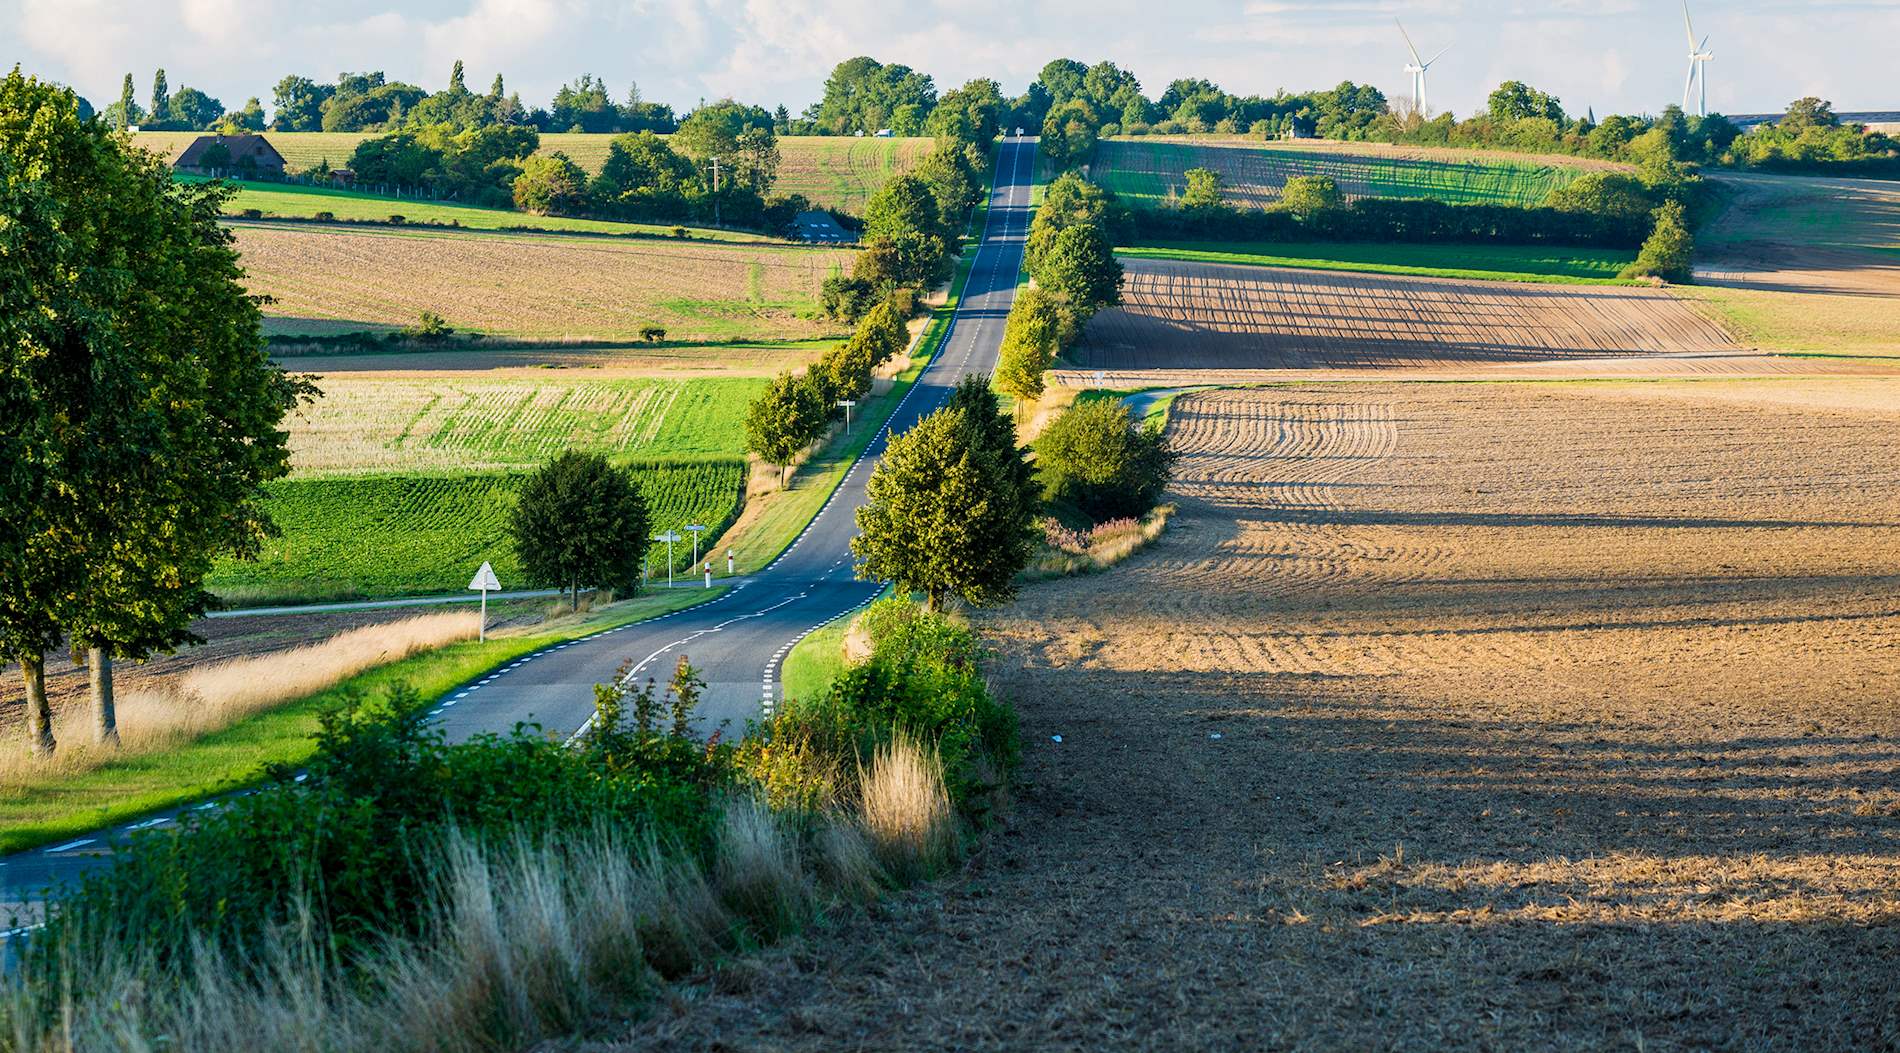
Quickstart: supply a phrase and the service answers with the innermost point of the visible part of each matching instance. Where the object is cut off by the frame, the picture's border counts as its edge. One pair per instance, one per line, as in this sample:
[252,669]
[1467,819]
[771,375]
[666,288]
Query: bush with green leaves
[1095,459]
[551,185]
[1669,253]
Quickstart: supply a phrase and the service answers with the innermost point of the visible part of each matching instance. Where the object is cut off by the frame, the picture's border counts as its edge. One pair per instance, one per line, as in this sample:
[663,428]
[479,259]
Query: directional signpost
[669,537]
[486,581]
[694,530]
[847,404]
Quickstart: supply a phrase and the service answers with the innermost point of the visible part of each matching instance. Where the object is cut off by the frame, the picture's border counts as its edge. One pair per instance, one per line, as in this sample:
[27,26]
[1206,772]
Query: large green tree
[142,413]
[1095,459]
[1081,268]
[743,138]
[1036,332]
[946,512]
[787,417]
[579,521]
[904,214]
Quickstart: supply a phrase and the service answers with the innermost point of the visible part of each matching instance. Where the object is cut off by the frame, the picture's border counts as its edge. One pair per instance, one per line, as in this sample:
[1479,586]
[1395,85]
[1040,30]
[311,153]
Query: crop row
[1151,173]
[407,534]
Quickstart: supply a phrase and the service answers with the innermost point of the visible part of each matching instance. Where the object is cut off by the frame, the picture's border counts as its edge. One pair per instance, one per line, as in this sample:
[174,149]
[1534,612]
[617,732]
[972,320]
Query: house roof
[255,147]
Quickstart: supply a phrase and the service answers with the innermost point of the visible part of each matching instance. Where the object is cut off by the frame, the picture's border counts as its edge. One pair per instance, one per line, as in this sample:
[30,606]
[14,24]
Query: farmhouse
[231,154]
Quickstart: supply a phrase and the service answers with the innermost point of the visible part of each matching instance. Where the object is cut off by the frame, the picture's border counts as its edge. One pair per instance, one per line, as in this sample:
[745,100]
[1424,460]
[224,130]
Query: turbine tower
[1418,69]
[1699,56]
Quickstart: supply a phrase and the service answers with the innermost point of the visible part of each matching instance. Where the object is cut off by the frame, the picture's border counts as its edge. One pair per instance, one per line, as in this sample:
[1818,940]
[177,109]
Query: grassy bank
[1561,265]
[60,807]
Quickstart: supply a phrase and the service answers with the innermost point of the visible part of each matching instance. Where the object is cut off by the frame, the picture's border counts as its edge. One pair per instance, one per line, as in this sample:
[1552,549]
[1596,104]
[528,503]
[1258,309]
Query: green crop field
[1153,174]
[832,171]
[1512,263]
[370,424]
[406,534]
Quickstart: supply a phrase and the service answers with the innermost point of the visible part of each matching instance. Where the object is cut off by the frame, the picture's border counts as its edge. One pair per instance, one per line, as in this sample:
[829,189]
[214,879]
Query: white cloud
[1610,54]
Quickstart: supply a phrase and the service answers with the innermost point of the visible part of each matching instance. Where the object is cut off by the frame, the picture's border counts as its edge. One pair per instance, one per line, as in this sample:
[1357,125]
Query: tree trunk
[933,601]
[39,715]
[574,596]
[105,719]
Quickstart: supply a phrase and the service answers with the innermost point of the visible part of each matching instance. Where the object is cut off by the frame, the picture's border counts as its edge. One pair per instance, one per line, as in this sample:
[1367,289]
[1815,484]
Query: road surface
[736,640]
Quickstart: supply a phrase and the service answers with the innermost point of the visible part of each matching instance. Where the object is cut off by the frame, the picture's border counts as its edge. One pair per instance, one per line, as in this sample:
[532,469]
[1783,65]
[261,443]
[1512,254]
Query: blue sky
[1613,55]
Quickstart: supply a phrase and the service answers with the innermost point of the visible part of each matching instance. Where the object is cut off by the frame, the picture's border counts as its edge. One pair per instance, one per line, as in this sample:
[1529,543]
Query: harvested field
[1204,316]
[1448,716]
[327,281]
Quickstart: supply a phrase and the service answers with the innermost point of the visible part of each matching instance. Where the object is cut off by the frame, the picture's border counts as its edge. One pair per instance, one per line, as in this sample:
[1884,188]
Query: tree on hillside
[1808,112]
[641,166]
[580,521]
[743,138]
[885,330]
[1305,195]
[942,515]
[1068,135]
[139,412]
[193,110]
[297,104]
[1604,194]
[995,431]
[904,213]
[787,417]
[1515,100]
[1669,253]
[1204,194]
[550,185]
[161,107]
[1097,460]
[1069,201]
[124,112]
[1081,268]
[1032,339]
[864,95]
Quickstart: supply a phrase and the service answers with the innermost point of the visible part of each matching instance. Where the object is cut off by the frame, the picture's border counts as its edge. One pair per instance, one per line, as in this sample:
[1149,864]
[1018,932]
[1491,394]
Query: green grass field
[1153,174]
[294,201]
[1512,263]
[832,171]
[401,535]
[369,424]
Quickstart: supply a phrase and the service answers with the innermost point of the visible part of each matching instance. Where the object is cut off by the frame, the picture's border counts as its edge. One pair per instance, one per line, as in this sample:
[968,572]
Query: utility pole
[715,162]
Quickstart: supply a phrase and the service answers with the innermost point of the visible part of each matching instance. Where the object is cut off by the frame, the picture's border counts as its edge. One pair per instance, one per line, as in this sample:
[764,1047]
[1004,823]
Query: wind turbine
[1699,56]
[1417,69]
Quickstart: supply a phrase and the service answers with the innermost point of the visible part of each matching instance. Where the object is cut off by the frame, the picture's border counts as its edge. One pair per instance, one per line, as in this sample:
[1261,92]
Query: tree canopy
[579,521]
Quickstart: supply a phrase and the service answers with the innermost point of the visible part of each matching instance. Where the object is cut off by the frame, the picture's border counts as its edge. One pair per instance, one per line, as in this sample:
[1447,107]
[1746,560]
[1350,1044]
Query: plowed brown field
[328,280]
[1446,716]
[1209,316]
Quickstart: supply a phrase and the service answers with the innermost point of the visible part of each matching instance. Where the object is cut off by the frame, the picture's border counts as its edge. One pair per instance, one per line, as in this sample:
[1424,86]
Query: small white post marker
[728,563]
[485,581]
[709,573]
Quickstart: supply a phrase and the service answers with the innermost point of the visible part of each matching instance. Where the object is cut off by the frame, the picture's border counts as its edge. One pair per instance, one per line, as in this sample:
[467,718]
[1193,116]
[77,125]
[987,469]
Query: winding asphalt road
[736,640]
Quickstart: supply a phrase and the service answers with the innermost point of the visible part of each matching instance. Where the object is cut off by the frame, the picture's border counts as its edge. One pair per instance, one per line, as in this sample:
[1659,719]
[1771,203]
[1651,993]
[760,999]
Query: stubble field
[328,281]
[1447,716]
[1188,316]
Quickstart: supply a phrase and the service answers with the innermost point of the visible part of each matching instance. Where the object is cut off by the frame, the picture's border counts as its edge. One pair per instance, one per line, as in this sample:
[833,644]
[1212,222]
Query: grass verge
[39,813]
[1506,263]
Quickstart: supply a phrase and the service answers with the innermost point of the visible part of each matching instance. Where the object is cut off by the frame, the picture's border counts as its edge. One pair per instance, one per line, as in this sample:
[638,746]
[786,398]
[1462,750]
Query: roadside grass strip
[82,805]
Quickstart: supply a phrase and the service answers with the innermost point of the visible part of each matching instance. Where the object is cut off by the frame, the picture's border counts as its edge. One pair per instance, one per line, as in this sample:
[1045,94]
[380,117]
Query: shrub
[652,334]
[678,232]
[550,185]
[325,217]
[397,219]
[251,213]
[429,326]
[1094,459]
[1669,253]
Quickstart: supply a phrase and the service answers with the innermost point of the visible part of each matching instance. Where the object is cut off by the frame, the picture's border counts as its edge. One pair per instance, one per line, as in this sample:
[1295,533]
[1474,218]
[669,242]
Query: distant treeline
[1070,104]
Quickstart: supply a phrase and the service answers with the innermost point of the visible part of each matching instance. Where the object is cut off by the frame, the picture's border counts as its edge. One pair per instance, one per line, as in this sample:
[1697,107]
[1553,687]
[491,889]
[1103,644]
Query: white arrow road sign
[485,581]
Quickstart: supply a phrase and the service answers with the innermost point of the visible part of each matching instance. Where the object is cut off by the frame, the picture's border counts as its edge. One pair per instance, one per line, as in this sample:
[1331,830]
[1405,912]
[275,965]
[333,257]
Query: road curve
[736,640]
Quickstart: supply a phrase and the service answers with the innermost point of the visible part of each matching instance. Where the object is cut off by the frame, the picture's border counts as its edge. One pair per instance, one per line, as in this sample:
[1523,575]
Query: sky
[1622,56]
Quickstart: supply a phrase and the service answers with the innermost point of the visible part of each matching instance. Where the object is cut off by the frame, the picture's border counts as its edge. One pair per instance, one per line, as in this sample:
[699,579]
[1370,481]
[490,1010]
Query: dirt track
[1206,316]
[1476,717]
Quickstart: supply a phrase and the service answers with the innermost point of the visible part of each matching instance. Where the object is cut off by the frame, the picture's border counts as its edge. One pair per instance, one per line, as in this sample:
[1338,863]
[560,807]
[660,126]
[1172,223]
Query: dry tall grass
[213,697]
[525,940]
[907,811]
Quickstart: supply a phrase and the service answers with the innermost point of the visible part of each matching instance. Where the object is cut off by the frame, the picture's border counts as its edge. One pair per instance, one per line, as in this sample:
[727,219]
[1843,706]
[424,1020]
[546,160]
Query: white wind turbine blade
[1688,85]
[1703,48]
[1435,58]
[1408,43]
[1688,25]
